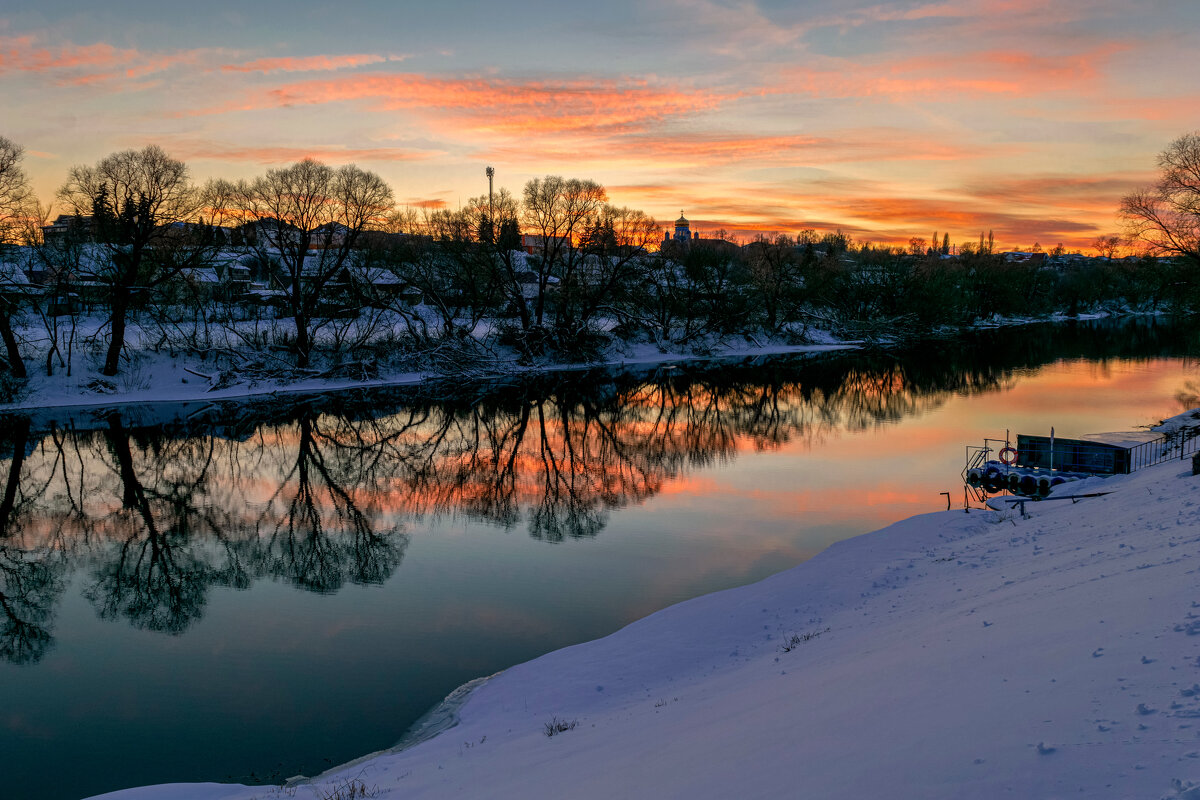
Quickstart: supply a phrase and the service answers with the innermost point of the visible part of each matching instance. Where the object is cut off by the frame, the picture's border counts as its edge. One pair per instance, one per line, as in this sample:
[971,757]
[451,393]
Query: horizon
[885,120]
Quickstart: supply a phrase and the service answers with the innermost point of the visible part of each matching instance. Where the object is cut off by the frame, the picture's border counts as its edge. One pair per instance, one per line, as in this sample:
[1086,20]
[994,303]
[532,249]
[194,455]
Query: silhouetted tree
[16,205]
[309,217]
[556,210]
[142,203]
[1165,217]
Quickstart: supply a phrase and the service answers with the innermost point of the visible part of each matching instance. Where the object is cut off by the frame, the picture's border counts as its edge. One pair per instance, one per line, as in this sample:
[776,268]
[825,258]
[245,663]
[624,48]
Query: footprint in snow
[1145,710]
[1045,749]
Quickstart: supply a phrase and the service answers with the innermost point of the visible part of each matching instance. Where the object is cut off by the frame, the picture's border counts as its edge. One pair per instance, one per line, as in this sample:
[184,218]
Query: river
[249,591]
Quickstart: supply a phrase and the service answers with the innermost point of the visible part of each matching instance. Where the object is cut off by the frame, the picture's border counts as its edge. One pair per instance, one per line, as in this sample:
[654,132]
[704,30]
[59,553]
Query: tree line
[356,282]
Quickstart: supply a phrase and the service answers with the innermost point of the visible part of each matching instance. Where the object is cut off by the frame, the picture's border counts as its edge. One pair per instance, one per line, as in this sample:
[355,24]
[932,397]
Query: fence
[1178,446]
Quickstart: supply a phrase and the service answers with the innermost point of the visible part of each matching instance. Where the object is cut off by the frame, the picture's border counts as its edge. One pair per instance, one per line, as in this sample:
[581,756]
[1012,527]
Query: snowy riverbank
[160,377]
[948,655]
[152,373]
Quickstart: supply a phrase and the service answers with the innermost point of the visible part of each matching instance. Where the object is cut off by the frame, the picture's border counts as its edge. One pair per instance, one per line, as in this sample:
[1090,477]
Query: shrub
[556,725]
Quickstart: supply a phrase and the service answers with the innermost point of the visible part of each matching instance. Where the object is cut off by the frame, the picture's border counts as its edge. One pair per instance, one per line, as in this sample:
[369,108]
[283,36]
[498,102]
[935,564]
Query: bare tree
[555,212]
[142,204]
[16,200]
[15,194]
[59,258]
[1106,246]
[310,217]
[1165,217]
[615,245]
[458,274]
[496,218]
[773,269]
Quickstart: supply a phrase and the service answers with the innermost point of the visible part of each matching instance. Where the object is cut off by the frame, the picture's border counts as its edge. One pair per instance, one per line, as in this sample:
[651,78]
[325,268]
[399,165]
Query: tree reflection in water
[31,581]
[316,492]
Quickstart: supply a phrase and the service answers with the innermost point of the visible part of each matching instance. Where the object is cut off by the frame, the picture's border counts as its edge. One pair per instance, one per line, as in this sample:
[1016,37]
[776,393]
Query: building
[683,231]
[66,223]
[533,243]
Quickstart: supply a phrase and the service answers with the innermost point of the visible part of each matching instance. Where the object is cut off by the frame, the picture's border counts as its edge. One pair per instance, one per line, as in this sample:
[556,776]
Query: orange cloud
[308,63]
[1177,110]
[432,204]
[1095,193]
[277,155]
[86,64]
[989,72]
[691,149]
[897,217]
[488,104]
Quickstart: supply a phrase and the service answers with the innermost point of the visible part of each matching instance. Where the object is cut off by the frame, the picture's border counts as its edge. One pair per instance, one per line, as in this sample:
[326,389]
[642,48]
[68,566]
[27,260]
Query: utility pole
[491,220]
[491,173]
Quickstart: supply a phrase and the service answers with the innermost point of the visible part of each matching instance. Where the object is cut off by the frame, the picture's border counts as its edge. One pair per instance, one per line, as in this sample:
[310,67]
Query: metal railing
[977,456]
[1177,446]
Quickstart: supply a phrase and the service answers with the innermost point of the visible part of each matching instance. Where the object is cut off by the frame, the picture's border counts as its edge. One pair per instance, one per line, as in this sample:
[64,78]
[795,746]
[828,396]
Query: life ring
[1008,456]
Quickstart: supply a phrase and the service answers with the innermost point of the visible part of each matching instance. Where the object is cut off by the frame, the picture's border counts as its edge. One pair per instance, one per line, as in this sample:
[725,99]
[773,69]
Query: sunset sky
[886,119]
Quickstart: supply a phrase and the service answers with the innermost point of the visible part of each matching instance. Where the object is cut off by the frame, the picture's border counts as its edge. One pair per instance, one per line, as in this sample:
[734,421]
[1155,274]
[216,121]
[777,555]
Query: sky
[887,120]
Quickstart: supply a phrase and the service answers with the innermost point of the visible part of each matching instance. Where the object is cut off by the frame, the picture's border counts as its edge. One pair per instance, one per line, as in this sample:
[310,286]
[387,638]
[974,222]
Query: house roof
[376,276]
[200,274]
[13,275]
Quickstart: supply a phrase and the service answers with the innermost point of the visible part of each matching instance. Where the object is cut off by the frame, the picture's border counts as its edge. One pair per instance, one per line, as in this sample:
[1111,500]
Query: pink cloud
[527,106]
[947,75]
[308,63]
[689,149]
[73,64]
[281,155]
[430,204]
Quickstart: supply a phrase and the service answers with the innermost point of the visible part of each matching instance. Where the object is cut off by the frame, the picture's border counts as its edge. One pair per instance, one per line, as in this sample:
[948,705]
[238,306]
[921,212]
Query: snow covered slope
[950,655]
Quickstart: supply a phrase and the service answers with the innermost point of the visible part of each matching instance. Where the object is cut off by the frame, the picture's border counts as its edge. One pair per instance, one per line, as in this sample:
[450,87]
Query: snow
[1126,439]
[1187,422]
[152,374]
[949,655]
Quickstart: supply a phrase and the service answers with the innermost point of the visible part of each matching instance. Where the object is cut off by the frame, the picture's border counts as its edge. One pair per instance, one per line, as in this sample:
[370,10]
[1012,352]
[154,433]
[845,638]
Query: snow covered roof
[200,274]
[1124,439]
[13,275]
[376,276]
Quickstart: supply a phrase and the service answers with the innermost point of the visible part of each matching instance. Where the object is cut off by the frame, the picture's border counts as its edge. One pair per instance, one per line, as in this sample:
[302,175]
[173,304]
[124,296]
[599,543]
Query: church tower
[683,230]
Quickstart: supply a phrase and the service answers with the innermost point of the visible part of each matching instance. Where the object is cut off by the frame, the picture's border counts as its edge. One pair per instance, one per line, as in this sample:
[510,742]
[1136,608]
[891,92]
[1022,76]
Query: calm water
[247,592]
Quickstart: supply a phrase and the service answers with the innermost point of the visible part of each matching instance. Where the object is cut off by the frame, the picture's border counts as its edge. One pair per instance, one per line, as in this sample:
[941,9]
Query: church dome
[682,221]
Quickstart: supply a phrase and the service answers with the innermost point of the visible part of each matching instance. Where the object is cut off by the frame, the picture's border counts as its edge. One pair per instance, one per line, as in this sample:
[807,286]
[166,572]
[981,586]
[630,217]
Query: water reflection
[159,506]
[158,516]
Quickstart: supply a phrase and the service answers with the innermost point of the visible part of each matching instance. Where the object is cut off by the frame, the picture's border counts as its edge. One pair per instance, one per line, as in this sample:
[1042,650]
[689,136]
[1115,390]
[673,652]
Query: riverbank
[155,377]
[951,654]
[153,373]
